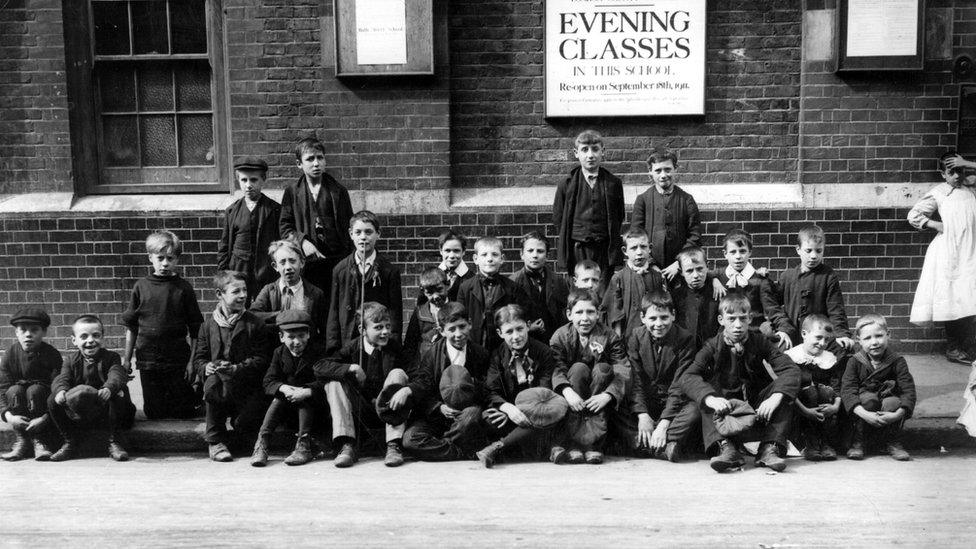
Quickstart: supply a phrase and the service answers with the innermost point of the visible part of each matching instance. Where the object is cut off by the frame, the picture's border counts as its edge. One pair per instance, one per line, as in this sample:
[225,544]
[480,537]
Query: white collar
[662,193]
[824,360]
[294,289]
[737,278]
[370,259]
[368,347]
[251,204]
[460,270]
[457,356]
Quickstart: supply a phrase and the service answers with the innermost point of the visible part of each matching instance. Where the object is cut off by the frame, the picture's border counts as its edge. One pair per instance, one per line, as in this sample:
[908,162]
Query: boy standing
[696,309]
[589,209]
[591,373]
[452,248]
[315,212]
[365,385]
[487,292]
[231,356]
[546,291]
[26,373]
[423,330]
[250,226]
[731,366]
[629,284]
[291,290]
[818,402]
[451,378]
[667,213]
[877,390]
[90,391]
[361,277]
[162,312]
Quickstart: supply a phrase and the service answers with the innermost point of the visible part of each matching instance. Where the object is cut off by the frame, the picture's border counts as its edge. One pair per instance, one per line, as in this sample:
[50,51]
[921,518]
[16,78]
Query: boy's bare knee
[890,404]
[870,402]
[396,375]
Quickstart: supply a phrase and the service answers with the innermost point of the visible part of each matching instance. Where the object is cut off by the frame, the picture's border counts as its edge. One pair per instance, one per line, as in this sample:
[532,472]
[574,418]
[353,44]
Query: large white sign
[625,57]
[882,27]
[381,32]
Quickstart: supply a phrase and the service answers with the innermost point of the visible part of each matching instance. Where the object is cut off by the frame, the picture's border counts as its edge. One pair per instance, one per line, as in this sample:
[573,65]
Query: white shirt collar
[370,259]
[299,286]
[461,270]
[313,189]
[367,347]
[740,279]
[824,360]
[456,356]
[251,204]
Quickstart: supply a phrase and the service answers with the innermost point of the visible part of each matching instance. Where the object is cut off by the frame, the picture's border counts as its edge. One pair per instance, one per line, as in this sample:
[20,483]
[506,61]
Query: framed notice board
[384,37]
[880,35]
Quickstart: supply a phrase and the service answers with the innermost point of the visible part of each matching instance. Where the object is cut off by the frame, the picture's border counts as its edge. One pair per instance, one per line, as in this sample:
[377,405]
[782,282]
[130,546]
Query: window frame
[84,111]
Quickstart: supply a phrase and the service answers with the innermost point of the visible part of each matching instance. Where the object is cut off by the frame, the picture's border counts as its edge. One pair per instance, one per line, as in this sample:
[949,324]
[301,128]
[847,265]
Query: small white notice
[381,32]
[882,27]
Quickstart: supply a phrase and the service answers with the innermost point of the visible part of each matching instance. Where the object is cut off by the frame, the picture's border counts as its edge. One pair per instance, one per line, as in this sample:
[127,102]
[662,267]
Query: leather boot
[893,444]
[856,451]
[21,448]
[813,451]
[394,454]
[302,453]
[116,447]
[728,457]
[768,456]
[41,451]
[489,454]
[259,458]
[66,451]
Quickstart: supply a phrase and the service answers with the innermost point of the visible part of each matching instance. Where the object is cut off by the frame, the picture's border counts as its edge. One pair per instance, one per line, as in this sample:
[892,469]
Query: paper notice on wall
[882,27]
[381,32]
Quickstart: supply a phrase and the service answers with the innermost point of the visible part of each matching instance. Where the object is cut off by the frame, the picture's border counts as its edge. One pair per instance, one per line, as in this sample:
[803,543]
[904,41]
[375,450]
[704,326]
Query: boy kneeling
[730,366]
[90,392]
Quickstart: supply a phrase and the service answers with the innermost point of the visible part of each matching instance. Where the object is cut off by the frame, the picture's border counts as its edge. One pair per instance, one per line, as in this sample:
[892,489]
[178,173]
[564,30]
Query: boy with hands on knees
[818,401]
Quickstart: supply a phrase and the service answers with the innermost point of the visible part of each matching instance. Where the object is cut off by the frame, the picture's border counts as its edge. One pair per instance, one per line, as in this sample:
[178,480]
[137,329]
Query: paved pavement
[178,501]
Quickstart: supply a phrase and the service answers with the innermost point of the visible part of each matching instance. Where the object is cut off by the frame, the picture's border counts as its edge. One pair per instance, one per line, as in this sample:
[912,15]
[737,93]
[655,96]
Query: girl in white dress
[946,290]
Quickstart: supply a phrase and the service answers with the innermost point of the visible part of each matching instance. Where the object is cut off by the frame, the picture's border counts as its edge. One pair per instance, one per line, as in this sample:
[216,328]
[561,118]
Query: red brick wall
[73,265]
[35,152]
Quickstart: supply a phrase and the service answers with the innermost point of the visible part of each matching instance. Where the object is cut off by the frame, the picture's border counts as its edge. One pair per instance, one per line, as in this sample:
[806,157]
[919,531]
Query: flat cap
[34,315]
[293,318]
[251,163]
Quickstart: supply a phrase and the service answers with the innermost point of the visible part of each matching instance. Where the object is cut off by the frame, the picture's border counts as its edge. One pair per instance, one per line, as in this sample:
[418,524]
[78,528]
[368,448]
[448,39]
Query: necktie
[287,296]
[656,346]
[518,363]
[591,180]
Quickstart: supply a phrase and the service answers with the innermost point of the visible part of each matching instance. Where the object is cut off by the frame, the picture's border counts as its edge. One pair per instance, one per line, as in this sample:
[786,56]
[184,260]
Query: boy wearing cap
[231,356]
[451,379]
[26,373]
[250,226]
[290,381]
[591,373]
[732,365]
[90,391]
[523,411]
[365,384]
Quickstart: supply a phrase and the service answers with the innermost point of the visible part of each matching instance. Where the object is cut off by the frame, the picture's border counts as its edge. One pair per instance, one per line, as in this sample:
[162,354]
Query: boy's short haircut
[488,241]
[734,303]
[812,321]
[634,232]
[509,313]
[452,312]
[662,155]
[162,241]
[450,235]
[869,319]
[948,154]
[365,216]
[737,237]
[810,233]
[579,294]
[288,244]
[657,299]
[306,145]
[587,265]
[689,253]
[535,235]
[223,278]
[431,277]
[87,319]
[373,312]
[588,137]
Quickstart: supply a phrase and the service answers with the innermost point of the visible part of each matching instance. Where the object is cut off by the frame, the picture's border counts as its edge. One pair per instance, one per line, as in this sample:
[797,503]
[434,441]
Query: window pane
[189,30]
[158,140]
[193,87]
[121,141]
[118,89]
[155,89]
[196,140]
[149,32]
[111,28]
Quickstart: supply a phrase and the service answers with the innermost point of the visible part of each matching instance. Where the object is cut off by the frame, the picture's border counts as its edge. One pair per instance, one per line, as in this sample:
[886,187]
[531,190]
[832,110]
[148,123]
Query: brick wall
[74,265]
[748,133]
[35,152]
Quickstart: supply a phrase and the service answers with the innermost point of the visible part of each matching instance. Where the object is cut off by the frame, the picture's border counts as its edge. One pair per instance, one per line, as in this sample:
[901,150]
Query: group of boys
[651,355]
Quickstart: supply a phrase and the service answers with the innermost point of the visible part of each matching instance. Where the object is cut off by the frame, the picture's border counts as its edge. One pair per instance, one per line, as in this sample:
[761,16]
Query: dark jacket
[713,372]
[250,348]
[623,297]
[422,333]
[761,293]
[605,347]
[482,315]
[564,210]
[696,311]
[336,367]
[667,237]
[107,373]
[382,286]
[501,381]
[234,247]
[40,365]
[434,361]
[286,369]
[655,379]
[268,304]
[860,377]
[298,212]
[550,304]
[803,294]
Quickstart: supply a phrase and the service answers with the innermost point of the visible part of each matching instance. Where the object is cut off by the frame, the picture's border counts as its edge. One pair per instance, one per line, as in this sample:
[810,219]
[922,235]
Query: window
[155,85]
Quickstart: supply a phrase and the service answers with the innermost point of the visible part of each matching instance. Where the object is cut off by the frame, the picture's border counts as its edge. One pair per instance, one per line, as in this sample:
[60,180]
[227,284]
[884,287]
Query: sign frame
[847,63]
[420,42]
